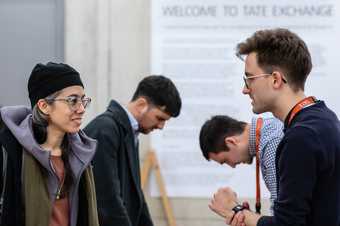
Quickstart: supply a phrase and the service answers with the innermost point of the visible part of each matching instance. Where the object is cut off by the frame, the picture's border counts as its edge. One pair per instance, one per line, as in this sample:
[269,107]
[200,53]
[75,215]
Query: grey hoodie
[19,121]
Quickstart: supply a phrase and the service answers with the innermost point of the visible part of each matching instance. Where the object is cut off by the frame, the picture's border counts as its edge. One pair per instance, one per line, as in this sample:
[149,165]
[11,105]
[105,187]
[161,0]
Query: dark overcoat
[116,170]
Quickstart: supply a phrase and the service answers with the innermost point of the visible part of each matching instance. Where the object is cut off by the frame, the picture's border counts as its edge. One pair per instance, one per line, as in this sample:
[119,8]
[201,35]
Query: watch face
[238,208]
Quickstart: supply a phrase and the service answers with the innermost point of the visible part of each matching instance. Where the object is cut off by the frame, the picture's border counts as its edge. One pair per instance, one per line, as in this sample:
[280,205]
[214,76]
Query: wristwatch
[238,208]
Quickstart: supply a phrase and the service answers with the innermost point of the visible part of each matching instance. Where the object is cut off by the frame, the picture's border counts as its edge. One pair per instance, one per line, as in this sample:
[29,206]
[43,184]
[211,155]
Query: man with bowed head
[226,140]
[116,163]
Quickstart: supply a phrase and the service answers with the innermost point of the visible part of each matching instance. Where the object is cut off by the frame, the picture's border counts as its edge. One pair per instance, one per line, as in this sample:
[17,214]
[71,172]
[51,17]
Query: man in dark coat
[116,163]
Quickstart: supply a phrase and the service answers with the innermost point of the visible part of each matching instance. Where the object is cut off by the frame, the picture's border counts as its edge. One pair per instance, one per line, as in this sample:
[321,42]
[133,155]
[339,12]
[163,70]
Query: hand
[238,220]
[222,203]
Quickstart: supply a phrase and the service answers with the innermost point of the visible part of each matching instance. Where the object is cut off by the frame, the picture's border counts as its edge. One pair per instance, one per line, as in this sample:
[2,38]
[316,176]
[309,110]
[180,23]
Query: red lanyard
[301,105]
[259,123]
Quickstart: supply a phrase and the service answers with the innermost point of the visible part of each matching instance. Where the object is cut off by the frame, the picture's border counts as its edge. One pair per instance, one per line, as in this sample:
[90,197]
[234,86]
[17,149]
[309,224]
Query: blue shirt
[271,135]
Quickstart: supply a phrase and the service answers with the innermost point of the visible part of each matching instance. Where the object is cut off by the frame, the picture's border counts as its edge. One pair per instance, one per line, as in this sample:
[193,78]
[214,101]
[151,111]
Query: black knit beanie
[50,78]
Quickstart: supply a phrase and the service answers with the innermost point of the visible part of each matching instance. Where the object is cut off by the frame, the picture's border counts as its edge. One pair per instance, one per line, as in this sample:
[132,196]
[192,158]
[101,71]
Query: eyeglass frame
[245,78]
[85,101]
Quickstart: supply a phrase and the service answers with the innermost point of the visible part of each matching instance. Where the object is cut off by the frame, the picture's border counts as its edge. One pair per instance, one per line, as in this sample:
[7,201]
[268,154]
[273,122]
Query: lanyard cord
[259,123]
[301,105]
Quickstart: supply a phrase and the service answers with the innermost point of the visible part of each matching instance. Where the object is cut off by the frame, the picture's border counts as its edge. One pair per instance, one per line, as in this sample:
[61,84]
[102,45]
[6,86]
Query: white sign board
[193,43]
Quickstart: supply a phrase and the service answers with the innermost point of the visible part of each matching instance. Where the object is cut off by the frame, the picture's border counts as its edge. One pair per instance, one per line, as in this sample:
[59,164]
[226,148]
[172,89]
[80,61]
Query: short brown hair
[280,48]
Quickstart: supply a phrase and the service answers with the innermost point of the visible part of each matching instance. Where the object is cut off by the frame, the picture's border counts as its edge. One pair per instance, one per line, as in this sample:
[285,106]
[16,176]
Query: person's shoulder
[273,121]
[2,124]
[104,121]
[103,118]
[319,120]
[4,130]
[272,127]
[302,140]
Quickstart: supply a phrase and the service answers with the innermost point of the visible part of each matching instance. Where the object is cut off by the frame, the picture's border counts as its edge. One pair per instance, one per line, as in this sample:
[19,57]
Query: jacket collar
[121,117]
[120,114]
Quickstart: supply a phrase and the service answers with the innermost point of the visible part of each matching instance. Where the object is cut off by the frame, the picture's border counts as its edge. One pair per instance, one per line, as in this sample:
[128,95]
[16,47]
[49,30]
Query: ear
[277,75]
[229,141]
[43,106]
[142,105]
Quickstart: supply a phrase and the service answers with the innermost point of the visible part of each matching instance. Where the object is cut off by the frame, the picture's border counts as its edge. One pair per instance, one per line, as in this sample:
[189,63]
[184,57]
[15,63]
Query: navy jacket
[308,170]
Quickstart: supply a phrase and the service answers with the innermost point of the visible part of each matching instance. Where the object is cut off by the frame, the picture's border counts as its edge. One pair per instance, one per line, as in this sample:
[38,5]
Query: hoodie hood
[18,119]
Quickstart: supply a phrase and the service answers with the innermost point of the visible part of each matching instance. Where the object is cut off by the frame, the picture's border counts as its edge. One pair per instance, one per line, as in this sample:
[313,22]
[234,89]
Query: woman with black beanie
[46,174]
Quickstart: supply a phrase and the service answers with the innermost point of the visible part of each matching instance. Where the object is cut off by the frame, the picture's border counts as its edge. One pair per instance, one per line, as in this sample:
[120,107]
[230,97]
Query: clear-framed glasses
[74,102]
[246,79]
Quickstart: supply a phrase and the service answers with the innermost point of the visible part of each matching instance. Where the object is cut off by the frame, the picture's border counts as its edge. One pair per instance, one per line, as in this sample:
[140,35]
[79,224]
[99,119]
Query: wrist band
[238,208]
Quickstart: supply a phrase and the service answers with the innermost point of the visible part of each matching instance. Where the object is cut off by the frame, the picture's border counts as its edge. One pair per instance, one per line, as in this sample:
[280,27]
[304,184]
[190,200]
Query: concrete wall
[109,43]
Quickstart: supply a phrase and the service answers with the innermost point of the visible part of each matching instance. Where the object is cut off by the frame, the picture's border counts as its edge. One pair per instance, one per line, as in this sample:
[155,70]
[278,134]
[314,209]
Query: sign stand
[151,163]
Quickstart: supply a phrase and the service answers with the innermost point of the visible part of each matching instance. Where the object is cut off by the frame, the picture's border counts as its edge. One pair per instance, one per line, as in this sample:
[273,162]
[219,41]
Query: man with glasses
[248,77]
[116,163]
[277,65]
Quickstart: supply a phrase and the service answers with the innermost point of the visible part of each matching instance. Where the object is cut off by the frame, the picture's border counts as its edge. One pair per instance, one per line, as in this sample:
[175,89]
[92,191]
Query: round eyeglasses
[74,102]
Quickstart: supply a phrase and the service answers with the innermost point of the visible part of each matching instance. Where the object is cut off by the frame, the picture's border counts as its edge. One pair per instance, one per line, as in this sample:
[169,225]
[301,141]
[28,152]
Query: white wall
[108,42]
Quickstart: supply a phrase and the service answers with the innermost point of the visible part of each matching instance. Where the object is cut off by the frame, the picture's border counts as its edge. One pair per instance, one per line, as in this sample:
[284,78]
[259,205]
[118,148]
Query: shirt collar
[133,121]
